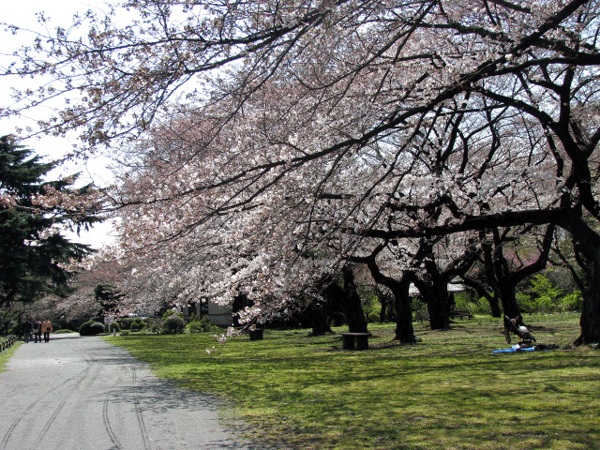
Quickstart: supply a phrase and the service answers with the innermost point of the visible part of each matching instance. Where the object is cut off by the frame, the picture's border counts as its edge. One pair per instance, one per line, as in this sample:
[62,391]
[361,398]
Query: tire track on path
[80,377]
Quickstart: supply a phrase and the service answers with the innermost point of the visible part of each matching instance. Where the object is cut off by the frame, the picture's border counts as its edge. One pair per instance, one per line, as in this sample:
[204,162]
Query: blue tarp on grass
[519,350]
[514,350]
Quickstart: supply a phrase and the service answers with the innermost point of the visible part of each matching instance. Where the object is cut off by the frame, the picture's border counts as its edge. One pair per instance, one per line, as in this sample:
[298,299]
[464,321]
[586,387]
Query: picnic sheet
[517,349]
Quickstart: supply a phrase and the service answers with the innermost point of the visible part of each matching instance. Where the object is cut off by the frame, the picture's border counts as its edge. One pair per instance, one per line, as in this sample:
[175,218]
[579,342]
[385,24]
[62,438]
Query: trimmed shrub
[173,325]
[97,328]
[114,327]
[64,331]
[85,329]
[91,328]
[125,323]
[137,325]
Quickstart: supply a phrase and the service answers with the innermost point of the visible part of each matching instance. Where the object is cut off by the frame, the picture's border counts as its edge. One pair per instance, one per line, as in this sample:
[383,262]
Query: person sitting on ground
[517,326]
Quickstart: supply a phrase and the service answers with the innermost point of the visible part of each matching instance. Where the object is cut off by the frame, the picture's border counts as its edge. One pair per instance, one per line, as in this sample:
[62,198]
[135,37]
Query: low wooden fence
[6,342]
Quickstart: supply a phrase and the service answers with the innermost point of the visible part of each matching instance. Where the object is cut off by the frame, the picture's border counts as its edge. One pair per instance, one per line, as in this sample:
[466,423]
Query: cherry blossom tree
[355,121]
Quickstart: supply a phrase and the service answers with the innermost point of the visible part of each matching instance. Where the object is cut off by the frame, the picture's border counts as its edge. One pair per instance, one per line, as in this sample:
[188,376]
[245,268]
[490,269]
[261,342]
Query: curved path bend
[76,393]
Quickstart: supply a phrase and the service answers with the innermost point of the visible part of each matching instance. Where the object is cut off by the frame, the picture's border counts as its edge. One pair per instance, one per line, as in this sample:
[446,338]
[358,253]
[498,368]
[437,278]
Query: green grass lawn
[446,392]
[7,354]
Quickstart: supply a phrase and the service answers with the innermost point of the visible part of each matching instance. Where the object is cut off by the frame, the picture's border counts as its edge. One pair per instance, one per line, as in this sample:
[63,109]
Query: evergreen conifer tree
[34,255]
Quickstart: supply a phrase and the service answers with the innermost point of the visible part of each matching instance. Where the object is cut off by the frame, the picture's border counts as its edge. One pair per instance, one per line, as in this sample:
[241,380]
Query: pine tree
[33,214]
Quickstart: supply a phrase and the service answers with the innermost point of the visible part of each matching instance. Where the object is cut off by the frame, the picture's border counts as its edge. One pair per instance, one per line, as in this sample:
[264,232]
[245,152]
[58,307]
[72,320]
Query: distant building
[218,314]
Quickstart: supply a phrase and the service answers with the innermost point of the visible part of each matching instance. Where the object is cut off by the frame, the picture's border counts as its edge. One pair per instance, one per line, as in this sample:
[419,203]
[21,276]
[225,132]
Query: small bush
[125,323]
[97,328]
[114,327]
[156,326]
[571,302]
[85,329]
[168,314]
[64,331]
[173,325]
[91,328]
[202,326]
[137,325]
[373,318]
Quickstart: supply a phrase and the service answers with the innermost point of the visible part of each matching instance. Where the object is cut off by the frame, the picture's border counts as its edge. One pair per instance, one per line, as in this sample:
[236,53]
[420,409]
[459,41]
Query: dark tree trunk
[495,310]
[492,299]
[590,311]
[504,280]
[347,300]
[436,296]
[400,291]
[587,245]
[590,315]
[404,322]
[384,305]
[318,319]
[352,306]
[433,288]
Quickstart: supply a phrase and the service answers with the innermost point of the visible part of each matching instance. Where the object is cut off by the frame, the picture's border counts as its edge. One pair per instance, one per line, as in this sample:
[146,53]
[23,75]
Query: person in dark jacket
[37,331]
[27,328]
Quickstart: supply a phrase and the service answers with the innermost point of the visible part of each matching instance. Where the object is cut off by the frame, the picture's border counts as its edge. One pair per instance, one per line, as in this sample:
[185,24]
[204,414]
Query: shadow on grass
[448,392]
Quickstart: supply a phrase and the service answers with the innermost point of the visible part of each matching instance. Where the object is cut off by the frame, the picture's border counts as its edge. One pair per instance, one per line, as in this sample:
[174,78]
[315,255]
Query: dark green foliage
[97,328]
[91,328]
[30,257]
[202,326]
[173,324]
[125,323]
[114,327]
[337,319]
[108,297]
[137,325]
[373,317]
[544,296]
[168,314]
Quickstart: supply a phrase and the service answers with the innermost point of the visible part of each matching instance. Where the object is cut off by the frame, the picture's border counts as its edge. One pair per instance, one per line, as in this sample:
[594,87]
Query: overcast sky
[60,13]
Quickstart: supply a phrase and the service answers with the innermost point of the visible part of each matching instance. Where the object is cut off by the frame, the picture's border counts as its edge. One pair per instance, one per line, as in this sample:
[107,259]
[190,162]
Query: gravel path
[76,393]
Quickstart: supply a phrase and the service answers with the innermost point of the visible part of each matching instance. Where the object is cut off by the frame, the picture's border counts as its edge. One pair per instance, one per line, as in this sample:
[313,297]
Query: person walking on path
[27,328]
[46,329]
[37,331]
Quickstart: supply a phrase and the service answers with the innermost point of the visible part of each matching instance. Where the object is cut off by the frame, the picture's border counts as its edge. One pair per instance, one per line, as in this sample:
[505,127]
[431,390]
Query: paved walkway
[80,393]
